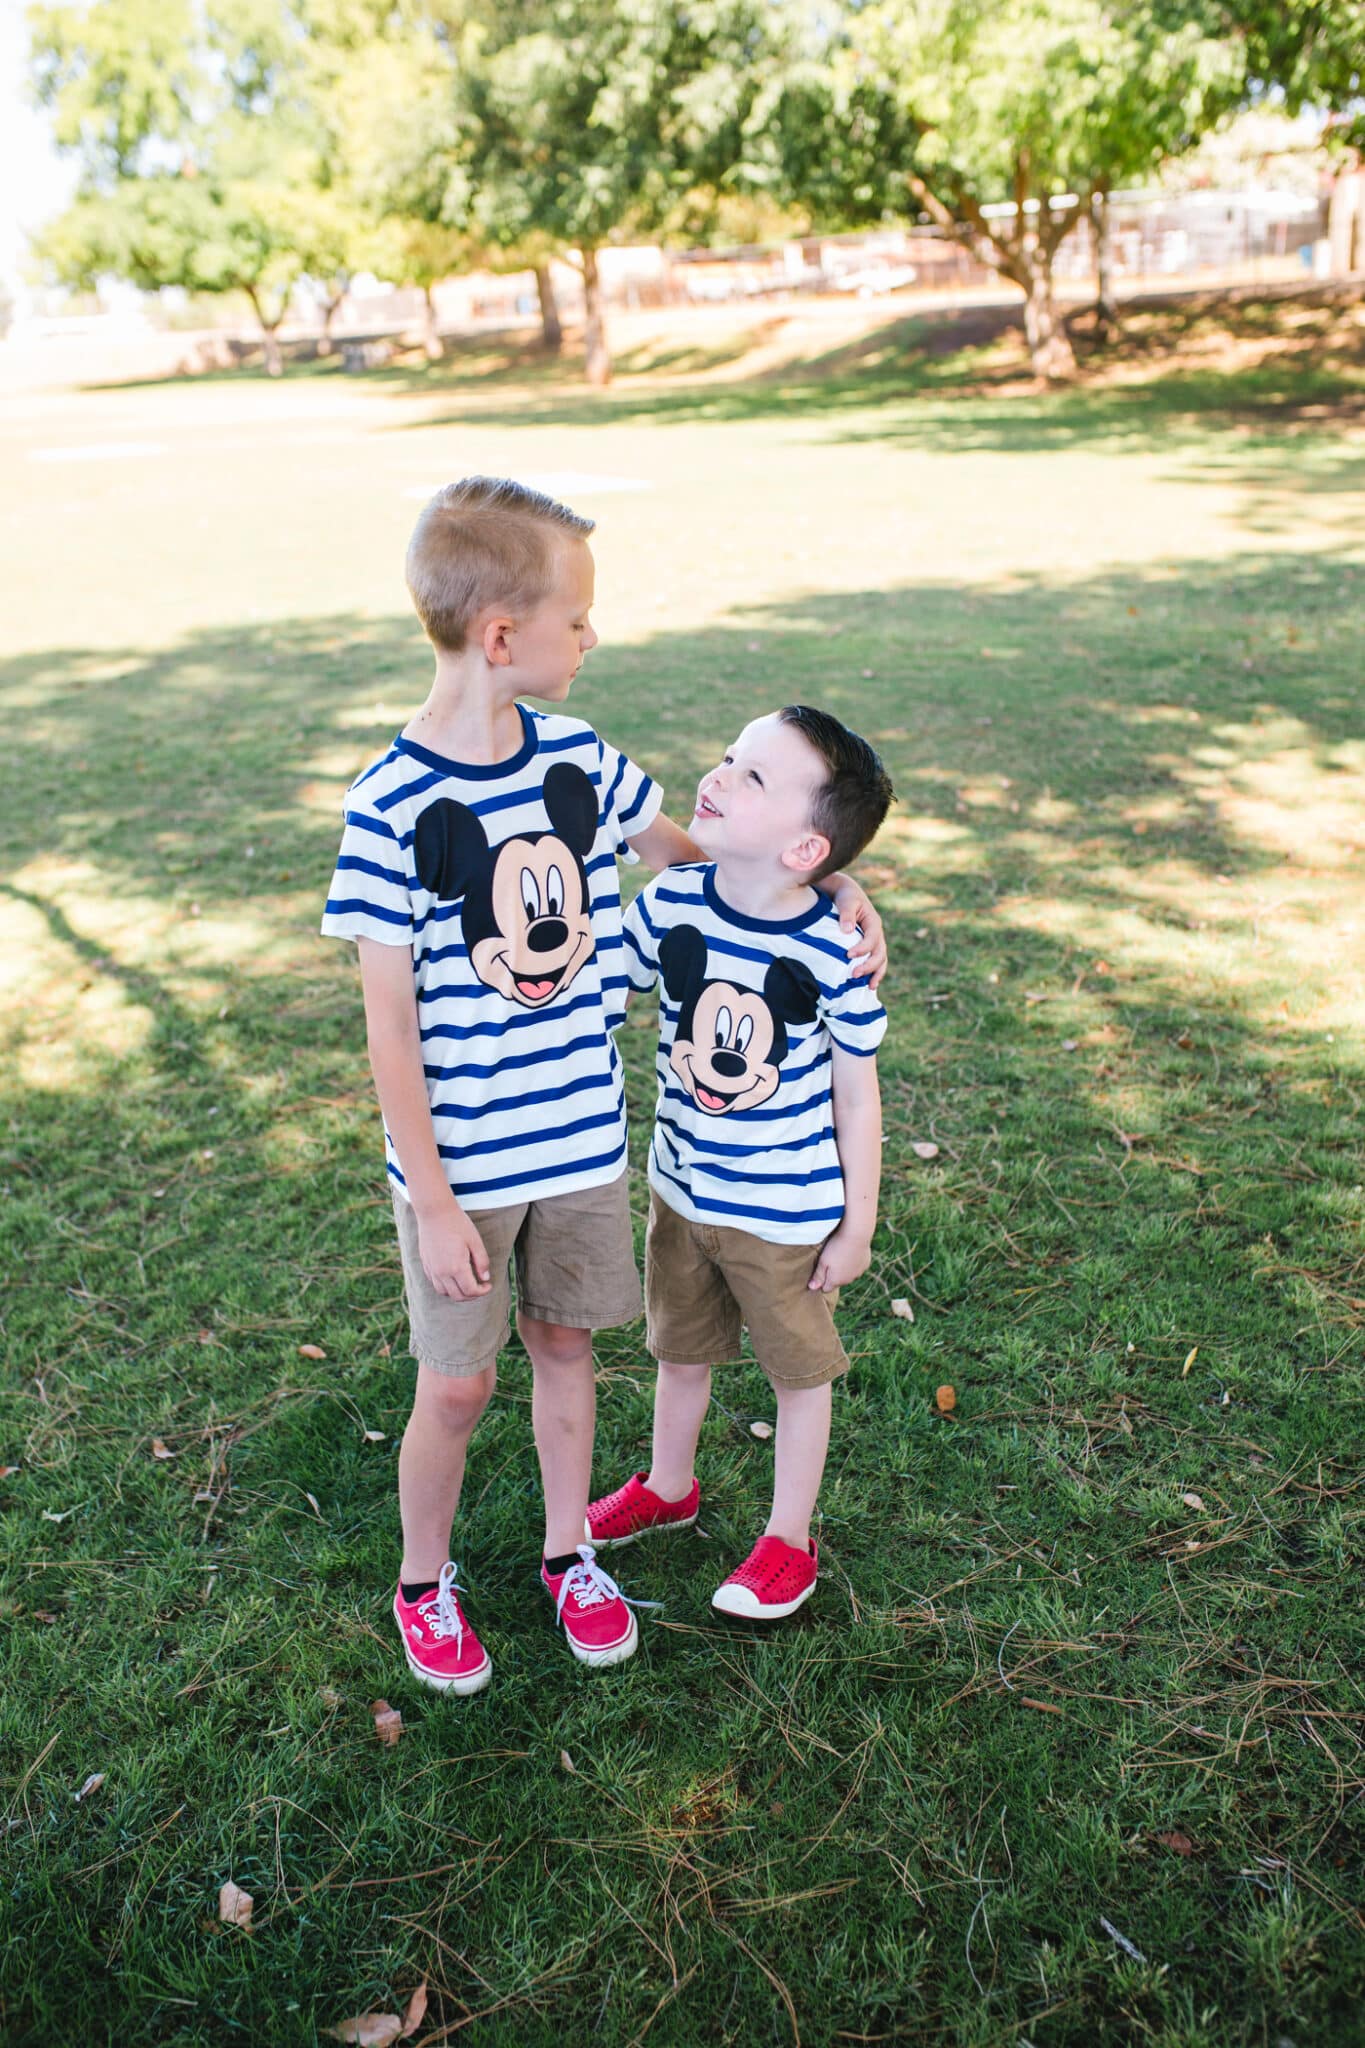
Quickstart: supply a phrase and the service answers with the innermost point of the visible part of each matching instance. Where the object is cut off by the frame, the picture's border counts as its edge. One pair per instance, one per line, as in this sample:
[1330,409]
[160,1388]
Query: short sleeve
[641,953]
[369,897]
[630,799]
[854,1018]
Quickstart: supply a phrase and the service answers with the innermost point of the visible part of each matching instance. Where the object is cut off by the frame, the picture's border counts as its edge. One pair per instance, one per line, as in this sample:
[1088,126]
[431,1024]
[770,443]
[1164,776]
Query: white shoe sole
[616,1653]
[746,1606]
[620,1542]
[471,1681]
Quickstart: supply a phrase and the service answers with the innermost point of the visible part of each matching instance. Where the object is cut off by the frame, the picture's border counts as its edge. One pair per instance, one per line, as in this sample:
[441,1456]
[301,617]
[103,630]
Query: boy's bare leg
[563,1417]
[682,1394]
[431,1465]
[803,1419]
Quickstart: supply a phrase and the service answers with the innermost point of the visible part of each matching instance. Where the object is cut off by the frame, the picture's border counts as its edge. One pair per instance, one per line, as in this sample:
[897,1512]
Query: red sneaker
[595,1613]
[441,1648]
[634,1511]
[774,1580]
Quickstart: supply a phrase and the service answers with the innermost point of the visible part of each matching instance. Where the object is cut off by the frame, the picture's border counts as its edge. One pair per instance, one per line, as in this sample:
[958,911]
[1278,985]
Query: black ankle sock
[555,1565]
[419,1591]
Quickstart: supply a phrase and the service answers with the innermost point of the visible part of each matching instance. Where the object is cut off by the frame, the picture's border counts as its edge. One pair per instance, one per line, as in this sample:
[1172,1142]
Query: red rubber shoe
[633,1511]
[441,1648]
[774,1580]
[595,1613]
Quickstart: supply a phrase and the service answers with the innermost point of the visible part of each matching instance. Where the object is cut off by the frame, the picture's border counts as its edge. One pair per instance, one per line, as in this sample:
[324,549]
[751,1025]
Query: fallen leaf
[1186,1044]
[901,1307]
[49,1516]
[388,1722]
[1101,967]
[311,1351]
[1174,1839]
[330,1699]
[1192,1500]
[566,1763]
[235,1907]
[8,1471]
[416,2012]
[92,1784]
[43,1614]
[1038,1706]
[1193,1354]
[761,1429]
[374,1436]
[924,1148]
[159,1449]
[386,1351]
[313,1504]
[368,2029]
[945,1400]
[1068,1045]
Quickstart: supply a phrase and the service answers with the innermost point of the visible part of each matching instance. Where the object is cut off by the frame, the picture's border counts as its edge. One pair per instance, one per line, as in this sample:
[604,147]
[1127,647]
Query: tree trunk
[552,333]
[270,340]
[431,340]
[330,308]
[597,356]
[1049,345]
[1106,305]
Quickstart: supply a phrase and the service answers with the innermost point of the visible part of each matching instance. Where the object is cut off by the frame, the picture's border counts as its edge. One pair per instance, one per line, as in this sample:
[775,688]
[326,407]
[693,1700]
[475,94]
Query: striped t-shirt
[502,880]
[748,1010]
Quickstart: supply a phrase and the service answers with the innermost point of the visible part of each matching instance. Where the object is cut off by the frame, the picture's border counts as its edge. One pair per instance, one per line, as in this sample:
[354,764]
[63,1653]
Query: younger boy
[477,875]
[767,1142]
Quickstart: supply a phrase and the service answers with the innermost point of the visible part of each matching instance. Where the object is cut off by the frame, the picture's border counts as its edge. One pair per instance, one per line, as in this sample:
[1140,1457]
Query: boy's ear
[807,855]
[449,848]
[791,992]
[571,805]
[495,638]
[682,962]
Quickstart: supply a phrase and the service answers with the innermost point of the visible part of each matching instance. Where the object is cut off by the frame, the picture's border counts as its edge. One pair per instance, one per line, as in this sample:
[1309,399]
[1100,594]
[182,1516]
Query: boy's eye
[724,1025]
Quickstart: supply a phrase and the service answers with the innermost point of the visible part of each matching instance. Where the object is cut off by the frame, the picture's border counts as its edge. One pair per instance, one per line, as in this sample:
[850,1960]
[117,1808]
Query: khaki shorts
[705,1281]
[575,1261]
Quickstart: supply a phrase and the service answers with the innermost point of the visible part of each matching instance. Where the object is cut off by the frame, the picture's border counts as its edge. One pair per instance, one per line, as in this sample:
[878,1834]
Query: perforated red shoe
[633,1511]
[774,1580]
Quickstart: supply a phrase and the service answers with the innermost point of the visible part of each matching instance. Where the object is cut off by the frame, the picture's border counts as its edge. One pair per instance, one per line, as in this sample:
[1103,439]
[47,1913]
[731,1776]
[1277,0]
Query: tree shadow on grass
[1125,827]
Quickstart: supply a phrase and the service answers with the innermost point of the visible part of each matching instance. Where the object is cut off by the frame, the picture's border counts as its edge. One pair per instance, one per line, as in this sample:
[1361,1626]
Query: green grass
[1108,641]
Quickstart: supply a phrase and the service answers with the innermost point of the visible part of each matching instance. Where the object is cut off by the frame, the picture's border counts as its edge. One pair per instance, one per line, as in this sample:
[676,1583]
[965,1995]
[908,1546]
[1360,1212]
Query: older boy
[477,875]
[767,1142]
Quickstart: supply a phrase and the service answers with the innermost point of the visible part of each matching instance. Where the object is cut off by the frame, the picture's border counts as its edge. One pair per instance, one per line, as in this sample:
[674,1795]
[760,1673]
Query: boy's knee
[554,1344]
[456,1400]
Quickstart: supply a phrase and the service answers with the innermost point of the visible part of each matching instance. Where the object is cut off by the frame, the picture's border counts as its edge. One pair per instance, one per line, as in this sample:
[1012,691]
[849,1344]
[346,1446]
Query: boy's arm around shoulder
[453,1253]
[858,1135]
[663,844]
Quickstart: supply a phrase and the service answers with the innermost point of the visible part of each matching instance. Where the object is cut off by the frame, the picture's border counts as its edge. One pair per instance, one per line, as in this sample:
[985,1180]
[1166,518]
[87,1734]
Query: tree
[1004,120]
[1307,53]
[203,161]
[590,123]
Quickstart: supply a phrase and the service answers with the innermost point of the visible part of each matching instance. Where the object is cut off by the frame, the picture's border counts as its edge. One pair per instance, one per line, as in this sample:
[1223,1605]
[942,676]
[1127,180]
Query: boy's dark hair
[857,792]
[485,541]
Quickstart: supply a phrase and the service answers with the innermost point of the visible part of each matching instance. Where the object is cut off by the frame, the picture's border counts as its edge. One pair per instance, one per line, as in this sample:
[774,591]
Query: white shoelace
[439,1611]
[590,1586]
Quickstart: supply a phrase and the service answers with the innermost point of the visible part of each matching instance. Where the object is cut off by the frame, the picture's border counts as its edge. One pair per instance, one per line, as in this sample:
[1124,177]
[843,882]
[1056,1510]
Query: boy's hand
[453,1255]
[855,907]
[842,1258]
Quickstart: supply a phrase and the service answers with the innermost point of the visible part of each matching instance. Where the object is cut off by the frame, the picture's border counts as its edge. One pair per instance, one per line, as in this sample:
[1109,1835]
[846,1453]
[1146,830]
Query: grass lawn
[1070,1746]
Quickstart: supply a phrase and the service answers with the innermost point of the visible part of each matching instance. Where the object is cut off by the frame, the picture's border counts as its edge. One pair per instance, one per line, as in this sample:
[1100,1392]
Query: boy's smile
[758,803]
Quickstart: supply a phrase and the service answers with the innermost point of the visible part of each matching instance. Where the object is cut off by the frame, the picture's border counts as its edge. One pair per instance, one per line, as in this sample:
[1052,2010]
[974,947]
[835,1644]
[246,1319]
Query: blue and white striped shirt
[748,1012]
[503,881]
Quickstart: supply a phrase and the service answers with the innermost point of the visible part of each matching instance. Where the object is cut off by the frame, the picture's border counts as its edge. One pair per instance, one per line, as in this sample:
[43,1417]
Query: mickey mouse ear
[448,847]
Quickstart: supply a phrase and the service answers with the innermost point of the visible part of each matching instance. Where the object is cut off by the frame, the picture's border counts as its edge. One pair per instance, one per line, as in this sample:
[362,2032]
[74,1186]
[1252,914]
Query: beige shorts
[575,1261]
[705,1281]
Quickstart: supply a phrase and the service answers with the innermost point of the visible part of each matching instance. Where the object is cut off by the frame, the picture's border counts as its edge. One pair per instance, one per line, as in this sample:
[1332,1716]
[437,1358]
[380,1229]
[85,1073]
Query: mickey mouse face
[730,1041]
[726,1064]
[544,933]
[525,919]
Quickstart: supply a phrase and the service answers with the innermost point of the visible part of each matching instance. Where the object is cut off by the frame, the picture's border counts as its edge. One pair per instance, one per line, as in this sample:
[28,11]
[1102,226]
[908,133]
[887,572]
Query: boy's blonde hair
[484,541]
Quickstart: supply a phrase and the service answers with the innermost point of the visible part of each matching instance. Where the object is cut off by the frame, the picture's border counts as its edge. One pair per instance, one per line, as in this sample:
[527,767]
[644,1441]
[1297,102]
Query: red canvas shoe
[595,1613]
[774,1580]
[633,1511]
[441,1648]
